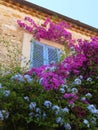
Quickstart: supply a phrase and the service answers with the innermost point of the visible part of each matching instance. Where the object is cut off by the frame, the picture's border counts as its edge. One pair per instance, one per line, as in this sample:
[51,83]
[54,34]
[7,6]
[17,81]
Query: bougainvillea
[47,30]
[83,62]
[85,59]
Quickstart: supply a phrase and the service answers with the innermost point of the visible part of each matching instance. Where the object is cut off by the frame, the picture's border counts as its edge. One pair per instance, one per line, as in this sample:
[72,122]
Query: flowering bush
[47,30]
[84,61]
[55,95]
[25,103]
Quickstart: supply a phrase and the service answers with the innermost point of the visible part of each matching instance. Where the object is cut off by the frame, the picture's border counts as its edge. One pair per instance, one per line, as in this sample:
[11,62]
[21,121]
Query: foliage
[24,100]
[56,95]
[11,57]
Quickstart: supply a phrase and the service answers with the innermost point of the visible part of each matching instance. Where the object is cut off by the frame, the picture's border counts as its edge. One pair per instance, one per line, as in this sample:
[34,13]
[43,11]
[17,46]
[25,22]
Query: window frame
[45,52]
[26,48]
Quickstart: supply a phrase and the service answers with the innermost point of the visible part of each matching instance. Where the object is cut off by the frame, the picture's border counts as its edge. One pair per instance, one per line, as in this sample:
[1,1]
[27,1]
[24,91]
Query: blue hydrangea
[88,95]
[38,116]
[86,122]
[64,86]
[47,104]
[0,85]
[74,90]
[26,98]
[89,79]
[38,110]
[62,90]
[32,105]
[6,93]
[58,120]
[44,115]
[28,78]
[77,81]
[83,98]
[93,120]
[65,110]
[40,80]
[92,109]
[67,126]
[31,114]
[1,116]
[18,77]
[56,109]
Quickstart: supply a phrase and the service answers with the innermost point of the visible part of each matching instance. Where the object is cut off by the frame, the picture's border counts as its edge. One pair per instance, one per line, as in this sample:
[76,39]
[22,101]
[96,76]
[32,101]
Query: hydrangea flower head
[32,105]
[47,104]
[67,126]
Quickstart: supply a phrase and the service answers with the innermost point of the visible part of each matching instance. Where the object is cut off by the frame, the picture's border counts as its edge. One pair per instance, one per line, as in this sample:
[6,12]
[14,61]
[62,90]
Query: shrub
[55,96]
[25,102]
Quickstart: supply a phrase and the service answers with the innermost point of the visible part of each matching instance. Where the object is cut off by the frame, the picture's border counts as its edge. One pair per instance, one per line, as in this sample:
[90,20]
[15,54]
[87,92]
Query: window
[42,54]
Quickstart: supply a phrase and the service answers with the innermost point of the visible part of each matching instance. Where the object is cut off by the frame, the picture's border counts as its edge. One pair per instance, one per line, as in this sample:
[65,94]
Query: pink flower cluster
[48,30]
[52,76]
[74,63]
[51,80]
[71,97]
[85,60]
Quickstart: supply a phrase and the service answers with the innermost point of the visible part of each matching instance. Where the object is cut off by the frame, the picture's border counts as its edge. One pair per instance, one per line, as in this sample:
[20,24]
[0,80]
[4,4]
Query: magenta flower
[47,30]
[71,97]
[51,81]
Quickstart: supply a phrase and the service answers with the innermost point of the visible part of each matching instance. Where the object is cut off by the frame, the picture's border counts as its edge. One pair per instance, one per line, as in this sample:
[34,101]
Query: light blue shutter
[37,51]
[42,54]
[53,54]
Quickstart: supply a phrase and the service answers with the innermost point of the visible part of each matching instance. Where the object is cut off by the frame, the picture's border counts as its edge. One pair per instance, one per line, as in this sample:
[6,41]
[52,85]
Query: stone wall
[11,33]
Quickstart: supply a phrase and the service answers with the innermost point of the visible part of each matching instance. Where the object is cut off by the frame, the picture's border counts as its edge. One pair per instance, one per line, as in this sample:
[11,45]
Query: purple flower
[51,81]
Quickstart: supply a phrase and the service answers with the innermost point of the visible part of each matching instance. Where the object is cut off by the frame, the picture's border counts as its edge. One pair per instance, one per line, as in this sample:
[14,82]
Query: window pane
[42,54]
[37,55]
[52,54]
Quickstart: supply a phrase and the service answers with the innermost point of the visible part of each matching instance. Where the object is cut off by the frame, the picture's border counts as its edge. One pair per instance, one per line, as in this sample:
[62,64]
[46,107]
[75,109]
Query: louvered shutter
[37,51]
[52,54]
